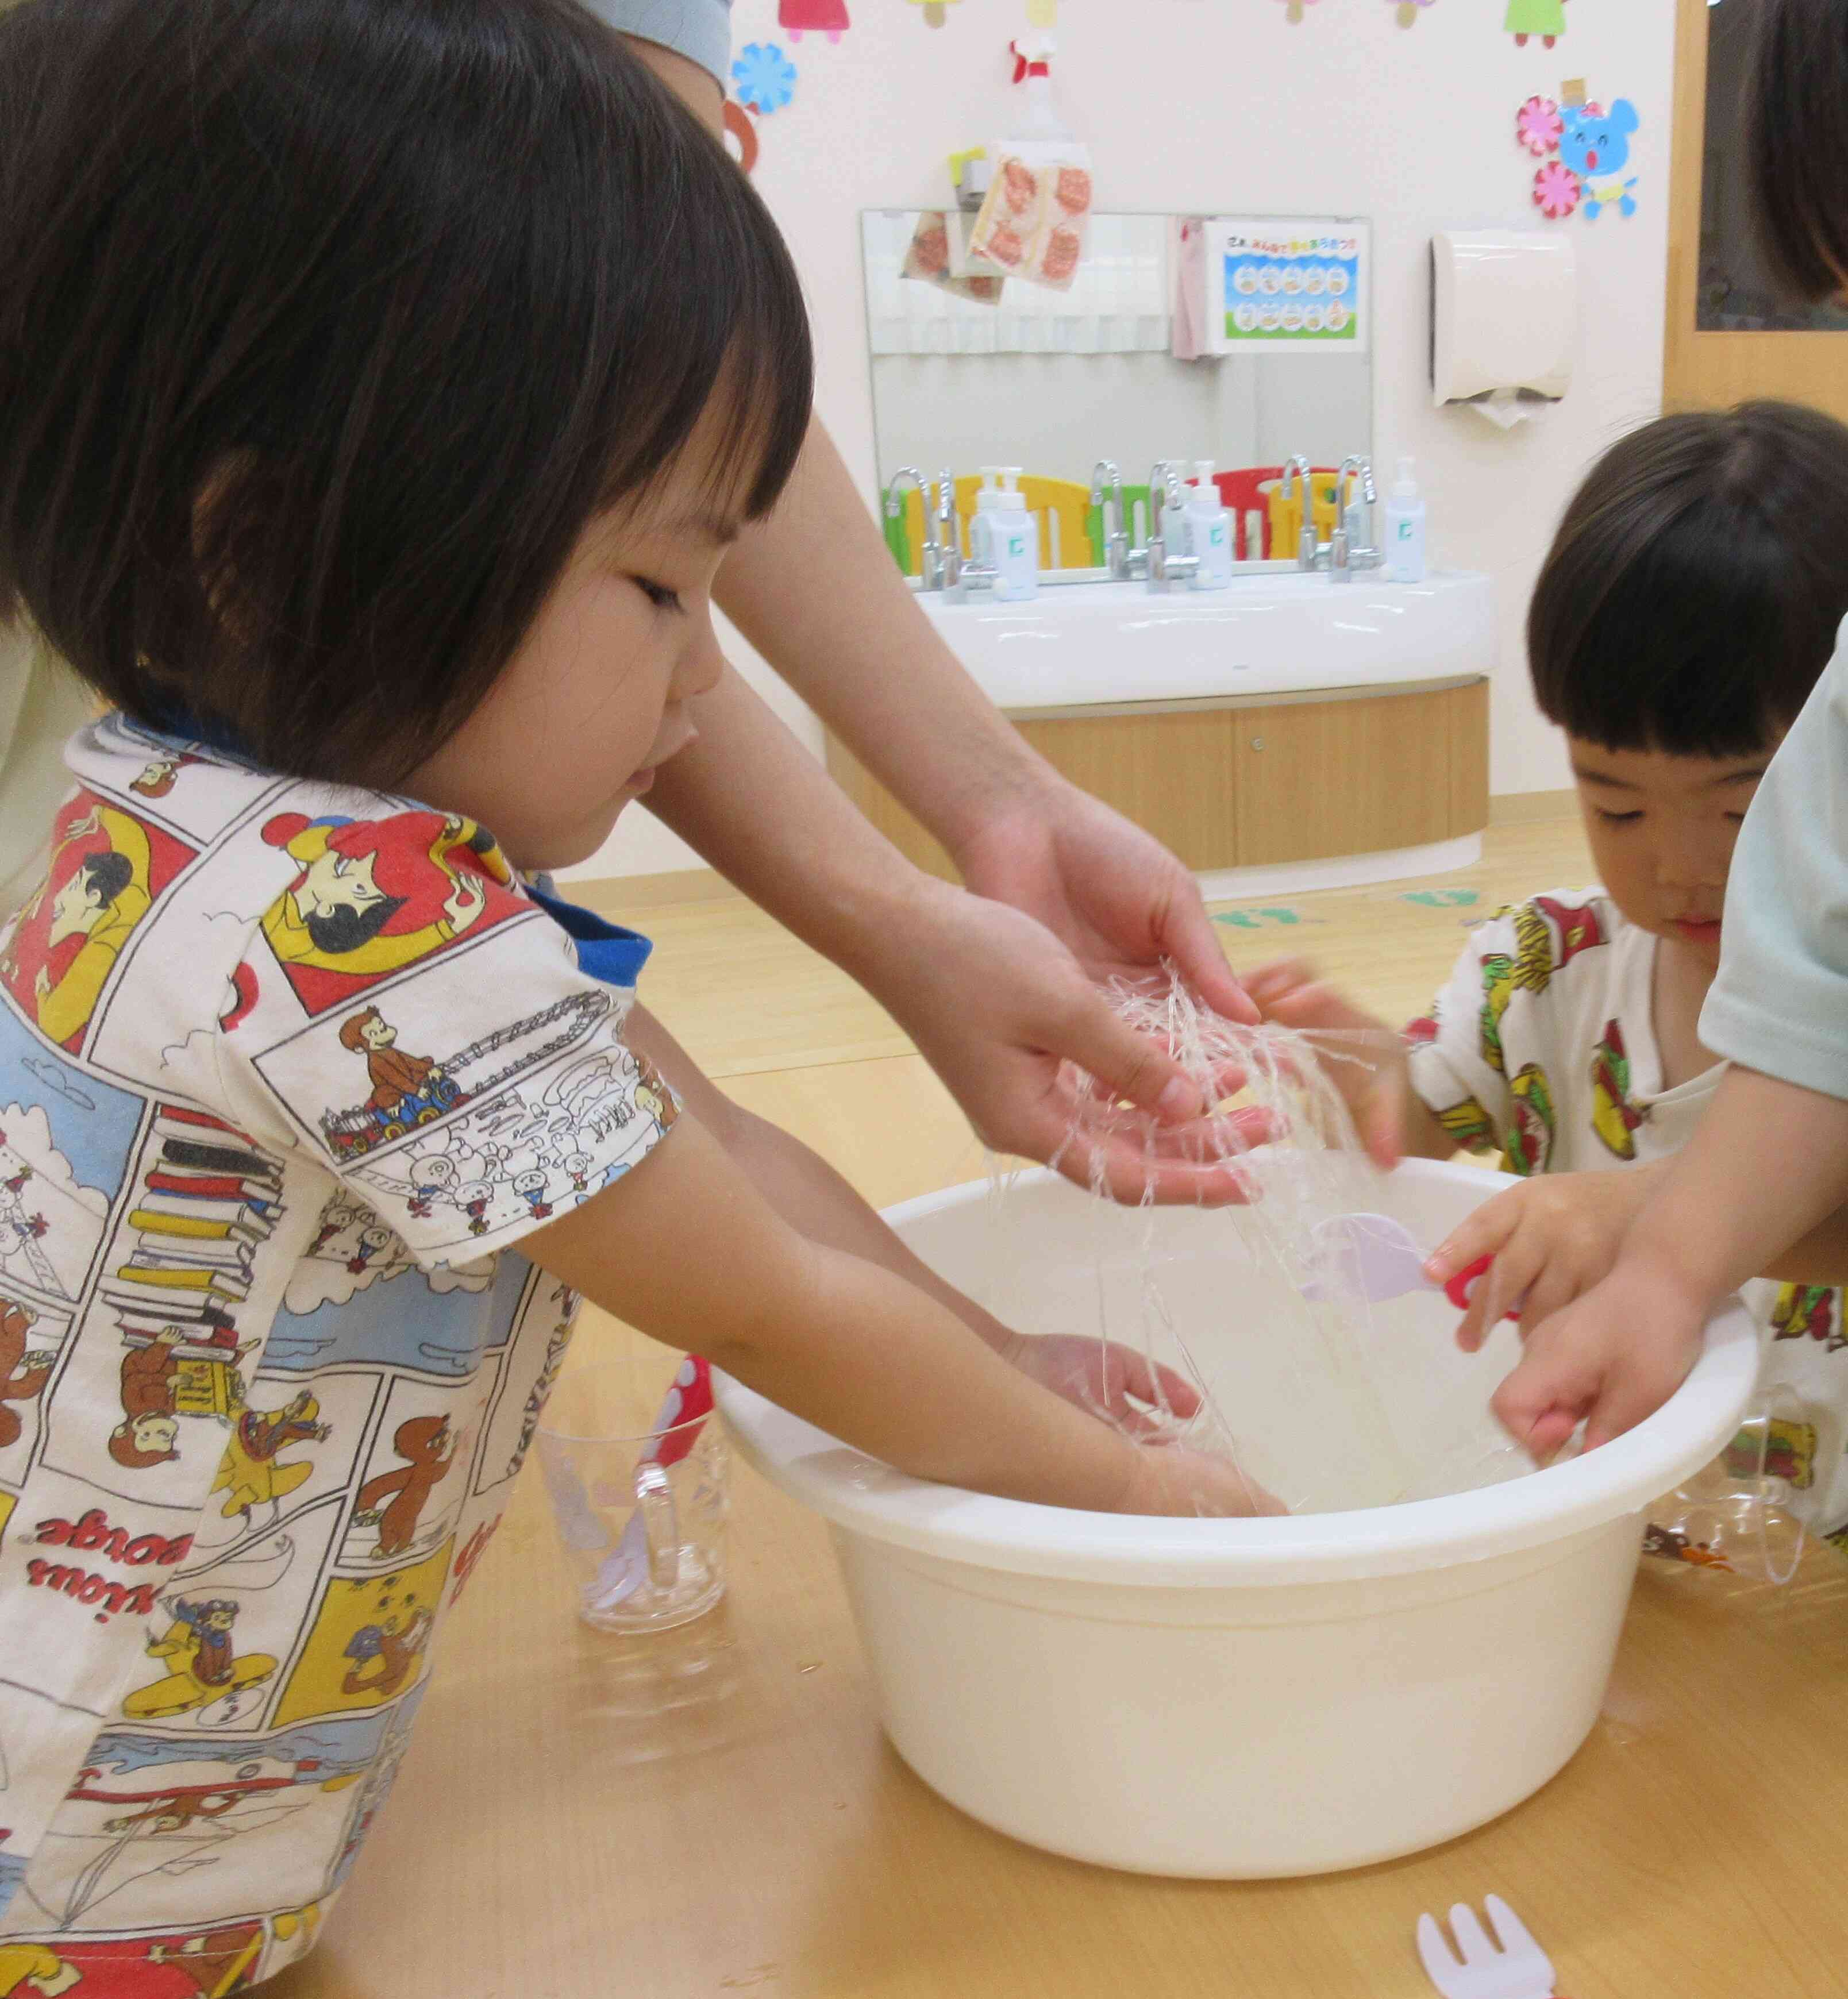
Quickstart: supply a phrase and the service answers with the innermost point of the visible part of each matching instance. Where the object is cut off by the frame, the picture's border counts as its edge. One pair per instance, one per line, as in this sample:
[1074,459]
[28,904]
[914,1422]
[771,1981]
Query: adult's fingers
[1131,1066]
[1187,936]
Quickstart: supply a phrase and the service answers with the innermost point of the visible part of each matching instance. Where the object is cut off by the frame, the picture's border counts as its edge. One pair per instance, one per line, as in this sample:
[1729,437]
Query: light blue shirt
[1780,1001]
[700,30]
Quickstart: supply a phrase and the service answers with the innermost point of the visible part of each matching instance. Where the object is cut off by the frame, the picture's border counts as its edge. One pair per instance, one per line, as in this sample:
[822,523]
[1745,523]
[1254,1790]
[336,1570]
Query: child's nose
[701,666]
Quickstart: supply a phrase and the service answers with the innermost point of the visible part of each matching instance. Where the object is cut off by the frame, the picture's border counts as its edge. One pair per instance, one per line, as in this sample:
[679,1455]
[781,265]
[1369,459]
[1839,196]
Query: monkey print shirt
[285,1072]
[1543,1046]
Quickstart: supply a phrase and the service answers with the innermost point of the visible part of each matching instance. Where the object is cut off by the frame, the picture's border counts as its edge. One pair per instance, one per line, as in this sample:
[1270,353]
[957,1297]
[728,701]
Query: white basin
[1081,645]
[1231,1698]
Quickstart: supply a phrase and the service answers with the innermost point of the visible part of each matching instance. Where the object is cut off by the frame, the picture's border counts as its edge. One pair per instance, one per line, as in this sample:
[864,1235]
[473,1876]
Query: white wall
[1058,414]
[1212,105]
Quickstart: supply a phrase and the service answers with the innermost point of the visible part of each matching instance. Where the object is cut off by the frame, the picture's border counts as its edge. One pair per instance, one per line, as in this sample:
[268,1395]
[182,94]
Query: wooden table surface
[546,1842]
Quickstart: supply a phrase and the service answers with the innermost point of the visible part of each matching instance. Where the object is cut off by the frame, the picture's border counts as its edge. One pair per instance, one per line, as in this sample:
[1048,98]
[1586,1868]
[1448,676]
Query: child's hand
[1552,1238]
[1171,1479]
[1373,1078]
[1115,1382]
[1608,1361]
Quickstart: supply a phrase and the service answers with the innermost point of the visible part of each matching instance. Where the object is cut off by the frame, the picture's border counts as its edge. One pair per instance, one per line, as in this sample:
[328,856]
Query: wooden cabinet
[1300,777]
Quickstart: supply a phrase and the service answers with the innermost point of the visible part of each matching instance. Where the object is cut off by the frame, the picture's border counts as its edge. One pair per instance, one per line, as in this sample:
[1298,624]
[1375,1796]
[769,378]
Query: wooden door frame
[1709,370]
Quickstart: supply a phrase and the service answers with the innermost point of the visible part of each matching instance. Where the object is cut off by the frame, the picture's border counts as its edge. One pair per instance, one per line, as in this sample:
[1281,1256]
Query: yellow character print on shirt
[30,1969]
[251,1475]
[203,1664]
[1530,1139]
[1468,1124]
[368,1641]
[1614,1117]
[1548,935]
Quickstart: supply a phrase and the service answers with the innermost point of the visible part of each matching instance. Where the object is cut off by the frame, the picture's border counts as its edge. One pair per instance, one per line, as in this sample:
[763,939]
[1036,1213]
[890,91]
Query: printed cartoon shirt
[1543,1046]
[285,1072]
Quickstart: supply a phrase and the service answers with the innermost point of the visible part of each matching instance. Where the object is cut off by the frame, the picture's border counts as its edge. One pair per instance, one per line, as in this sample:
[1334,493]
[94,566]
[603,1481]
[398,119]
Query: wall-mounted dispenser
[1504,310]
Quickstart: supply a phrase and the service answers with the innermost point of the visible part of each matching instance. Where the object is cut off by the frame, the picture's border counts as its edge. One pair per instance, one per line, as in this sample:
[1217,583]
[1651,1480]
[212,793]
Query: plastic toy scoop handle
[1461,1289]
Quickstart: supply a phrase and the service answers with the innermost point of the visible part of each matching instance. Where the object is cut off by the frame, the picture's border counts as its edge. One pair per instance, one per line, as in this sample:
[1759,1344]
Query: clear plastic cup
[640,1512]
[1741,1514]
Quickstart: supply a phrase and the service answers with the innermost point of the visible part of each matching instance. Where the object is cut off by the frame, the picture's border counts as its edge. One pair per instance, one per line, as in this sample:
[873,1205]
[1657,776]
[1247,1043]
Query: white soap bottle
[1004,537]
[1405,528]
[1209,530]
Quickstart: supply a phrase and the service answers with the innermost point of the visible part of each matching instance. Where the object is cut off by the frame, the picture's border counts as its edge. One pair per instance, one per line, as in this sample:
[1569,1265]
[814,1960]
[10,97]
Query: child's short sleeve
[1780,1001]
[411,1017]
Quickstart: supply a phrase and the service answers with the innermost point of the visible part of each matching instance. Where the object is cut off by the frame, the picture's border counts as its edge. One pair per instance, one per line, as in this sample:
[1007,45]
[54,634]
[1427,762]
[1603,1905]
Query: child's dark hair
[1690,599]
[326,327]
[1796,144]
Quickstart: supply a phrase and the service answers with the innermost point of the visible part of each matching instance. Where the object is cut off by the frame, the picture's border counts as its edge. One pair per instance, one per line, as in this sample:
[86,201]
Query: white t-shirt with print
[285,1072]
[1543,1045]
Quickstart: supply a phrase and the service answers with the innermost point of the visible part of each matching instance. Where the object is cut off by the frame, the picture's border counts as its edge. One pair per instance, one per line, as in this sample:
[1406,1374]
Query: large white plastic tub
[1240,1698]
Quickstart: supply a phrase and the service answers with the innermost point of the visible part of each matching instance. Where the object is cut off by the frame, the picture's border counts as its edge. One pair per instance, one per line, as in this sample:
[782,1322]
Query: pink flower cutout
[1556,190]
[1537,126]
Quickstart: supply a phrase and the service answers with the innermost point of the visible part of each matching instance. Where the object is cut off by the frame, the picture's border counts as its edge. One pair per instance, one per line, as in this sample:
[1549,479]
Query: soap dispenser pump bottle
[1405,528]
[1209,530]
[1004,537]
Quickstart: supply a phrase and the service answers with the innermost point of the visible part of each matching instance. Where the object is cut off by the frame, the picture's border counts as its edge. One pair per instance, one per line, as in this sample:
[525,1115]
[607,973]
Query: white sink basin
[1082,645]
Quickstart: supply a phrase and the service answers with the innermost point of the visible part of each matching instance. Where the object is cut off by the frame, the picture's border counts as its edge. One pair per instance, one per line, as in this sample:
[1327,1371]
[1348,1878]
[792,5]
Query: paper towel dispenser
[1504,307]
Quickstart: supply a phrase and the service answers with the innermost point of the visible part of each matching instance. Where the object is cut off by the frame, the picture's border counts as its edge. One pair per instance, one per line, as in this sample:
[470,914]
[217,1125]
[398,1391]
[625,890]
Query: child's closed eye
[1617,818]
[658,593]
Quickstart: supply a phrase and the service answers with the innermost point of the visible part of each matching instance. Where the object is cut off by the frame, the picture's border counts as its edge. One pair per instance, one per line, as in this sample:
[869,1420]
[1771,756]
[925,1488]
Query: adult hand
[1113,895]
[1001,1009]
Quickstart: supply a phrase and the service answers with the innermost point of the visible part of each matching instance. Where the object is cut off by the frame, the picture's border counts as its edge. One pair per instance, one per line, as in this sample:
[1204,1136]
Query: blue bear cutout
[1595,143]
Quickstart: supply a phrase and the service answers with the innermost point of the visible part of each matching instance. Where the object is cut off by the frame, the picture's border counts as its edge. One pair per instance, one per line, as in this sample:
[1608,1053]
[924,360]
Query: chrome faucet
[1166,572]
[1309,549]
[930,566]
[1119,556]
[1345,553]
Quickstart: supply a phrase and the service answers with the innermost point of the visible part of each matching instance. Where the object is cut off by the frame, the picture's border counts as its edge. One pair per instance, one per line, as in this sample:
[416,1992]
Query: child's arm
[1372,1069]
[685,1249]
[817,1202]
[1768,1163]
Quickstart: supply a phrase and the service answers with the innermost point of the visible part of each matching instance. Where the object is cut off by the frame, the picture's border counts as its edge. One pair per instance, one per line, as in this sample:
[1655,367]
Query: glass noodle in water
[1298,1393]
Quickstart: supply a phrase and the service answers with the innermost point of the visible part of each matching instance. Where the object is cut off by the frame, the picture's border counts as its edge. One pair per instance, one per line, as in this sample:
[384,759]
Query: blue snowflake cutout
[765,78]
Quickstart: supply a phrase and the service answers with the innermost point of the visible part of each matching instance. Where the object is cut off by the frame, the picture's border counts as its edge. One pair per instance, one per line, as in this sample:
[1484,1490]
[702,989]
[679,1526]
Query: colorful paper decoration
[1595,145]
[934,11]
[1537,126]
[1295,8]
[822,17]
[1042,13]
[1407,11]
[1584,149]
[1543,17]
[1555,190]
[765,78]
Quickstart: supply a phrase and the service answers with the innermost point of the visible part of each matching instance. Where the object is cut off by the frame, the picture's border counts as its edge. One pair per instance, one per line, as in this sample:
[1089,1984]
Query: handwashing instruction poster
[1279,285]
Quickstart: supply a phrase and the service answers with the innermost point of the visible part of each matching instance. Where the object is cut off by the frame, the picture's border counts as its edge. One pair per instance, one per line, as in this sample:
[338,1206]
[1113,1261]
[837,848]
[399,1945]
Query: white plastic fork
[1513,1966]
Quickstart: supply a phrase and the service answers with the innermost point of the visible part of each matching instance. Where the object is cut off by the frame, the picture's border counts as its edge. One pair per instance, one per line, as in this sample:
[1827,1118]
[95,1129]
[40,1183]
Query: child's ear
[1623,116]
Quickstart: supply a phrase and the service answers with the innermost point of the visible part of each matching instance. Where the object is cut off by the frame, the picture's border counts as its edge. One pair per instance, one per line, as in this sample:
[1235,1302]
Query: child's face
[1661,829]
[597,698]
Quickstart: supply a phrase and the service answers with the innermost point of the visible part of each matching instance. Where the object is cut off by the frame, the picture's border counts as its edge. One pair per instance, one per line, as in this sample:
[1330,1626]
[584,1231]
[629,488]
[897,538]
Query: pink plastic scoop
[1375,1258]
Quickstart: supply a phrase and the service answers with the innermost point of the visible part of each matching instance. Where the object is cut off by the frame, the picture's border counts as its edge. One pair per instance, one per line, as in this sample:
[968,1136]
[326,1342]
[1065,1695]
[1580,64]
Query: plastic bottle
[1405,528]
[1209,529]
[1004,537]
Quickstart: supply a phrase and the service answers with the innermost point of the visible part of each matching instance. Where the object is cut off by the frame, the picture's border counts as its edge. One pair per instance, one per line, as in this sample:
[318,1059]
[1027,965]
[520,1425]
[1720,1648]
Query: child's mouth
[1705,929]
